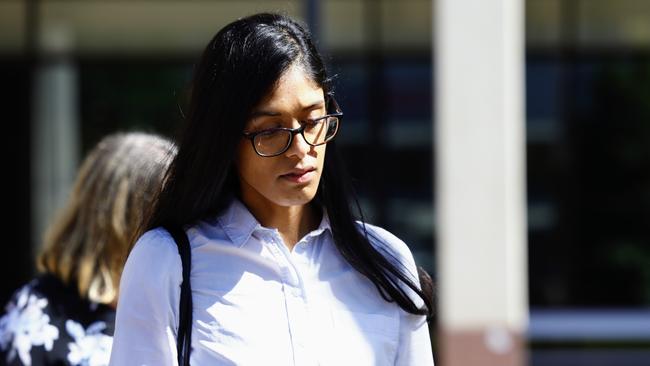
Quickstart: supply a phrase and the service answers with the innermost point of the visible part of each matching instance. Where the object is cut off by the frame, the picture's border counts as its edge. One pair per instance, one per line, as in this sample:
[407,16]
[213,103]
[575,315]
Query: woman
[65,316]
[281,274]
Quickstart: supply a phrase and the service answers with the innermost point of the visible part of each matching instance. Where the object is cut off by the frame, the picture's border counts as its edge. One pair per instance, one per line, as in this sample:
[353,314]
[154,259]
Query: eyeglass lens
[315,133]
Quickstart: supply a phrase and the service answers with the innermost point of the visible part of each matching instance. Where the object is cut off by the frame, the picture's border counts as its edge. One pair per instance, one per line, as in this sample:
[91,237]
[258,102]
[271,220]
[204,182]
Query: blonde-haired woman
[66,315]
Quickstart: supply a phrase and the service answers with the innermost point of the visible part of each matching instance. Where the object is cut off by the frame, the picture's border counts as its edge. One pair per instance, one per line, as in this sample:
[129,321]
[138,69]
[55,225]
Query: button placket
[295,300]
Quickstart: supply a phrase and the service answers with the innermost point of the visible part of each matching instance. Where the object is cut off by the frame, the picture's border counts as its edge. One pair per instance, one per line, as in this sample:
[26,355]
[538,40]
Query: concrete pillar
[481,200]
[55,132]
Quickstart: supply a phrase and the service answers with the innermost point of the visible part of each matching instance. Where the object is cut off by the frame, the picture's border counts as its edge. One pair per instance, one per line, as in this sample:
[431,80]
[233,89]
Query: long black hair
[240,66]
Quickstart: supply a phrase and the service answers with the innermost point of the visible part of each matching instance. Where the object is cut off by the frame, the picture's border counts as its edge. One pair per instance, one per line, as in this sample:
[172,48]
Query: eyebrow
[262,112]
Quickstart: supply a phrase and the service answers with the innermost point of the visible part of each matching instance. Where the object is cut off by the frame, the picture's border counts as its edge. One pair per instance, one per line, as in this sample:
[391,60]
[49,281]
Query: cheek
[251,168]
[244,162]
[321,157]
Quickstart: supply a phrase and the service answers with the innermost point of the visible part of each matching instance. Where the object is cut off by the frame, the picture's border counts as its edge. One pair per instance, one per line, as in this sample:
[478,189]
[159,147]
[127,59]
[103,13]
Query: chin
[298,198]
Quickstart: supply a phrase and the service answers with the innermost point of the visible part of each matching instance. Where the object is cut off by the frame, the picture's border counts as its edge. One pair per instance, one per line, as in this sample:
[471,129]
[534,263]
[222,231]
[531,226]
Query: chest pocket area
[367,339]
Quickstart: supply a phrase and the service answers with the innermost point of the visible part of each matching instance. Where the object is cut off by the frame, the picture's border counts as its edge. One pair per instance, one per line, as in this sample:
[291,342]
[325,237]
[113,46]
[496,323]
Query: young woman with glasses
[281,273]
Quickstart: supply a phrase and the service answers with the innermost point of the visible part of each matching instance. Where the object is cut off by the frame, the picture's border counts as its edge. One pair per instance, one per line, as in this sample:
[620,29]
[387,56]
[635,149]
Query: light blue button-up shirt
[257,303]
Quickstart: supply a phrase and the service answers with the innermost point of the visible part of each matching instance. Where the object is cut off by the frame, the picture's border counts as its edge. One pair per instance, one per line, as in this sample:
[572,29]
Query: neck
[292,222]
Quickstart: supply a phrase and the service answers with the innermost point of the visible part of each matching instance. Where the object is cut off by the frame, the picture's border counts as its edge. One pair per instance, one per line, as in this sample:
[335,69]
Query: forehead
[294,89]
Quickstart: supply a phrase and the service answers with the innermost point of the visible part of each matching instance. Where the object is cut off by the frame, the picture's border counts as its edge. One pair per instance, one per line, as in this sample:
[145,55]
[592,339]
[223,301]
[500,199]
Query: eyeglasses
[317,131]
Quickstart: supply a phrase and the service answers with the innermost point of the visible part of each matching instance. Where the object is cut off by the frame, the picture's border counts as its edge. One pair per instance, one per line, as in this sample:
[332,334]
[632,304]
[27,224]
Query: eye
[316,113]
[262,124]
[315,120]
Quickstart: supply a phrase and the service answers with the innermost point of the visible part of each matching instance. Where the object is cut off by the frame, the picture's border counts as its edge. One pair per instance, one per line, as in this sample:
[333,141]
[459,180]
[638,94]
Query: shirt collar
[324,225]
[239,224]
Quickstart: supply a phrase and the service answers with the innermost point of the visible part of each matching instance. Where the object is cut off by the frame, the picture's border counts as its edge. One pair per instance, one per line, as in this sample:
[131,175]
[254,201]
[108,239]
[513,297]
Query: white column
[55,130]
[480,156]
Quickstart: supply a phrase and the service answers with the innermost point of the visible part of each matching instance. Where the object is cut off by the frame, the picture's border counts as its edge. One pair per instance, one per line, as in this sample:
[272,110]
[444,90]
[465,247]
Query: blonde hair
[112,197]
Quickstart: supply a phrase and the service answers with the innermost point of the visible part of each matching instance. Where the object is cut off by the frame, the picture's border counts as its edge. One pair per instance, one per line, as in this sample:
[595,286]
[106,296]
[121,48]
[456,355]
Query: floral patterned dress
[47,323]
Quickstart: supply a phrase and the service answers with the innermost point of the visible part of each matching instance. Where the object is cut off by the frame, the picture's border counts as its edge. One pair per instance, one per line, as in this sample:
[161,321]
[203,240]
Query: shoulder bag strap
[183,342]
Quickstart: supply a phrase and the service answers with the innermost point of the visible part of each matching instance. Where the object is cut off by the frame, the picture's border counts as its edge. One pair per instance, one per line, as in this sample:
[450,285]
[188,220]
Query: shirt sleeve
[414,347]
[146,319]
[415,344]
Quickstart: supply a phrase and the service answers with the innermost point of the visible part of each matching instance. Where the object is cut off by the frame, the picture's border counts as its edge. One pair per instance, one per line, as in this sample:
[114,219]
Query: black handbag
[184,336]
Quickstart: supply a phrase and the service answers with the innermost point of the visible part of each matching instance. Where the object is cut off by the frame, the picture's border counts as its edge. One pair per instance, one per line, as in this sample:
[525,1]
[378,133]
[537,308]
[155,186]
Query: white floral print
[91,347]
[25,325]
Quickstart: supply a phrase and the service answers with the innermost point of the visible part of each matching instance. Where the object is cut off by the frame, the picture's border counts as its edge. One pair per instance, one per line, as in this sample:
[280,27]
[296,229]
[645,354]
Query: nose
[299,147]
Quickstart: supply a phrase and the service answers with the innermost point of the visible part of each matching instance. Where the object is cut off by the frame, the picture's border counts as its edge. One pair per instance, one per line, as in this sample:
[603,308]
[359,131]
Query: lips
[300,175]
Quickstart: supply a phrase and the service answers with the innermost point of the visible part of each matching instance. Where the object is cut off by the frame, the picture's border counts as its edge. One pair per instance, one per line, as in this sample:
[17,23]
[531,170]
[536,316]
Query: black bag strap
[184,336]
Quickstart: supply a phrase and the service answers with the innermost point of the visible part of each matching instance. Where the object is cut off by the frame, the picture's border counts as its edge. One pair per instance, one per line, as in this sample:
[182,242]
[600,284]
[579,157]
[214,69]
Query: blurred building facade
[588,180]
[126,65]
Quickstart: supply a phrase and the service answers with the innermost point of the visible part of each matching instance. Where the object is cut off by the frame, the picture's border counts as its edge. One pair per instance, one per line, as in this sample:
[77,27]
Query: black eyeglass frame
[330,102]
